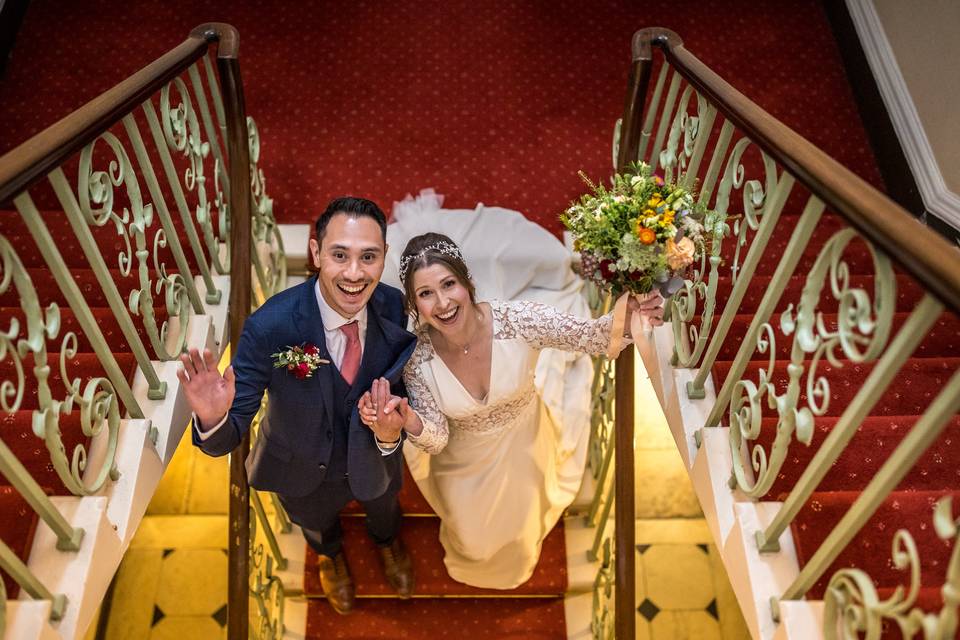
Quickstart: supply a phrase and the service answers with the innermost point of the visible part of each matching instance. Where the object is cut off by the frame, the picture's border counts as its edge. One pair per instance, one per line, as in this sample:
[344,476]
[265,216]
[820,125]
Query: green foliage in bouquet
[641,234]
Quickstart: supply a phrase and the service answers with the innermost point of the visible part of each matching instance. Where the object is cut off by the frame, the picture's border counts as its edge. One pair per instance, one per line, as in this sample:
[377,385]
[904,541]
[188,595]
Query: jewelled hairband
[447,248]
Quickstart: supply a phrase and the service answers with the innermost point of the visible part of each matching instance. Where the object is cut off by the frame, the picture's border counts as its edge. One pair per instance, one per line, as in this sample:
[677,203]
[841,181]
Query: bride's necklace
[465,348]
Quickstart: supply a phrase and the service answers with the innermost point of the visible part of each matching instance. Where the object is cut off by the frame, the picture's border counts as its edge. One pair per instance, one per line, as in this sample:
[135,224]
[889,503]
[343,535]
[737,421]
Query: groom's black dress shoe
[337,583]
[398,568]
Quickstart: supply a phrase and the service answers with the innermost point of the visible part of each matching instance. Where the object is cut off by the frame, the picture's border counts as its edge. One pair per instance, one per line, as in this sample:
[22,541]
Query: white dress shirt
[336,346]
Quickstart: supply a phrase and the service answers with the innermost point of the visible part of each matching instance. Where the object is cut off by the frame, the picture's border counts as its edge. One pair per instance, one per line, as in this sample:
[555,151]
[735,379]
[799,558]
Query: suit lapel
[310,326]
[376,353]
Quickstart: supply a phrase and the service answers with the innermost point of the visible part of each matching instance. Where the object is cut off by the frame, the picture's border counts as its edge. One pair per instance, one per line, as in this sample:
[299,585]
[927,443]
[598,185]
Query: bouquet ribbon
[639,323]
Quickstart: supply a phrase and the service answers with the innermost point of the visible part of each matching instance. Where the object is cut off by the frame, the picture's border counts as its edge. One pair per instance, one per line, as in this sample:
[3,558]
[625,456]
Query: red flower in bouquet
[606,269]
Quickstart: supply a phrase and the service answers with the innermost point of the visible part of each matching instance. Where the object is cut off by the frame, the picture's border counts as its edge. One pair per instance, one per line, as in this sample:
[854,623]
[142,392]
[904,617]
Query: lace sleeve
[542,327]
[433,438]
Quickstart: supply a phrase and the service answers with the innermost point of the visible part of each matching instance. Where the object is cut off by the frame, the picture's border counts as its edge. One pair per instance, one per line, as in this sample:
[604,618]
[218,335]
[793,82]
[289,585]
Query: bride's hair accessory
[447,248]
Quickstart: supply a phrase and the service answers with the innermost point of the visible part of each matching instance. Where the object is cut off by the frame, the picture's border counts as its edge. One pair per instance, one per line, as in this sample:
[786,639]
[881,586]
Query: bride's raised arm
[542,326]
[432,437]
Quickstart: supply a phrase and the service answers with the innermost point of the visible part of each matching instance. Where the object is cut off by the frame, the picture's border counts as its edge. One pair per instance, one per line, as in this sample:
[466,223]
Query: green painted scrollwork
[269,259]
[853,608]
[602,620]
[680,154]
[690,340]
[754,197]
[97,401]
[96,199]
[862,330]
[266,590]
[181,129]
[601,445]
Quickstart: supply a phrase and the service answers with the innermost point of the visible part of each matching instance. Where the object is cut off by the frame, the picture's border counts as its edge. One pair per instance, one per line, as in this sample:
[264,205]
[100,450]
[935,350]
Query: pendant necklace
[466,347]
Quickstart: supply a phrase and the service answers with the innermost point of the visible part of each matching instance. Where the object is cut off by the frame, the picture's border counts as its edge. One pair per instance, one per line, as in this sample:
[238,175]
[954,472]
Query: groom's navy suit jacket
[309,429]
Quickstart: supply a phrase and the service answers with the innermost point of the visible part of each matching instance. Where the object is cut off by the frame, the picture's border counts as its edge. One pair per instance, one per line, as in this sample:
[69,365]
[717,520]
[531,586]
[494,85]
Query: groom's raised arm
[224,406]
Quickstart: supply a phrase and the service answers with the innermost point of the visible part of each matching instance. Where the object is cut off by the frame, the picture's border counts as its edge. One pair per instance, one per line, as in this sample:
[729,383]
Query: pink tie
[351,356]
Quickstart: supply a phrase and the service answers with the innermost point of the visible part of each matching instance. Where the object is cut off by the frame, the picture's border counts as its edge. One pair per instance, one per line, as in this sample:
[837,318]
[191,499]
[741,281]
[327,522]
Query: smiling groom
[312,449]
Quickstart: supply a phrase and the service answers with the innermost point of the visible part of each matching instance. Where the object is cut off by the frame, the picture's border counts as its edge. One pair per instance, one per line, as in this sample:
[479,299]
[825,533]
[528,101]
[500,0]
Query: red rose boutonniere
[301,361]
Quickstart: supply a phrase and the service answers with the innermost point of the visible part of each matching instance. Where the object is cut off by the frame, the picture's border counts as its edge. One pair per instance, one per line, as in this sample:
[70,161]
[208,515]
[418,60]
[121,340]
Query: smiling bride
[487,455]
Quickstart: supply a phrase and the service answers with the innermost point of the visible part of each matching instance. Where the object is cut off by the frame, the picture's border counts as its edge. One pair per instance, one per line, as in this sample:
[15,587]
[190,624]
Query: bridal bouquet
[640,235]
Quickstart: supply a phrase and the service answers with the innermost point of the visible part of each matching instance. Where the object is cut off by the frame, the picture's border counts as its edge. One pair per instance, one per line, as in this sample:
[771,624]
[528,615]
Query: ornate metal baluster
[903,344]
[602,622]
[861,335]
[685,144]
[218,109]
[70,290]
[97,403]
[267,242]
[923,434]
[14,567]
[665,117]
[213,294]
[181,131]
[719,153]
[265,588]
[268,530]
[170,232]
[96,199]
[212,136]
[651,114]
[785,268]
[756,205]
[852,604]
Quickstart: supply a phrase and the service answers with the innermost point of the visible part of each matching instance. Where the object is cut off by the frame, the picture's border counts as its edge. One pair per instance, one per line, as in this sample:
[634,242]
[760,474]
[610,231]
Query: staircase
[125,264]
[810,373]
[851,496]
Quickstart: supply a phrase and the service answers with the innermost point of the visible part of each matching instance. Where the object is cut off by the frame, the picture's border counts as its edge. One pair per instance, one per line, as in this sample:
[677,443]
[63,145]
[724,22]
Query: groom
[312,450]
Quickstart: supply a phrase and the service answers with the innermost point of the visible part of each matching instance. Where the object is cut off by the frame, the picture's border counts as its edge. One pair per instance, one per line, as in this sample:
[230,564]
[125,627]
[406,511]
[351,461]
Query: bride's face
[442,300]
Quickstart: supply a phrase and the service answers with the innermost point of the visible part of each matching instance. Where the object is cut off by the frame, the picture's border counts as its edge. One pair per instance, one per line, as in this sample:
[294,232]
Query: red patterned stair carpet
[501,103]
[441,605]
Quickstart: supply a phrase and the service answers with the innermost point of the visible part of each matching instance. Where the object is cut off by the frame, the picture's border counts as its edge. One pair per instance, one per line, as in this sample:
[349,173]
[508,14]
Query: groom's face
[350,259]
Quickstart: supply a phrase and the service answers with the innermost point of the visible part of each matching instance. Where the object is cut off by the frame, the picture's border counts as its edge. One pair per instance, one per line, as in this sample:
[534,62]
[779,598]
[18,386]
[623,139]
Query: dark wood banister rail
[30,162]
[924,253]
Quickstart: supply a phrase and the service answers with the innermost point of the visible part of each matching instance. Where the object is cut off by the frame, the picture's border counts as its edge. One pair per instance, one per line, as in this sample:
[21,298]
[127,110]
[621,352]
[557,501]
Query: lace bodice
[525,326]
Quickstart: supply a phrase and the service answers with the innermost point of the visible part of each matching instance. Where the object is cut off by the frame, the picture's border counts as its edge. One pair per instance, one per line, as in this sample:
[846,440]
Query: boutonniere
[302,361]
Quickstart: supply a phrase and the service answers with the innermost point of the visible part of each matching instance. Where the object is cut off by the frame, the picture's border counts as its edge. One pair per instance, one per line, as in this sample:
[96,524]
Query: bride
[487,455]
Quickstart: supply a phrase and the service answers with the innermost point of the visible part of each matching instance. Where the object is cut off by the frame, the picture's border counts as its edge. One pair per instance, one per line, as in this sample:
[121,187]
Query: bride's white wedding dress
[499,472]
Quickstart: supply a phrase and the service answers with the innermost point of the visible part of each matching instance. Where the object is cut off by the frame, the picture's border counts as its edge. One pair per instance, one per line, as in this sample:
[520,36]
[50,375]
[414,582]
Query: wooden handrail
[30,162]
[923,252]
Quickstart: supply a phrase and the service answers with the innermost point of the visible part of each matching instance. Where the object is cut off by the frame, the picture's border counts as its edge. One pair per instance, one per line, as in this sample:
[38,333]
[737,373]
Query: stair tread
[32,451]
[943,339]
[871,548]
[875,440]
[428,619]
[927,375]
[420,534]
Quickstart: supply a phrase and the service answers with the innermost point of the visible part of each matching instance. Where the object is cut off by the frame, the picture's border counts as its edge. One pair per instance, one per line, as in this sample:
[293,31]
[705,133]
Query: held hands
[209,394]
[384,413]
